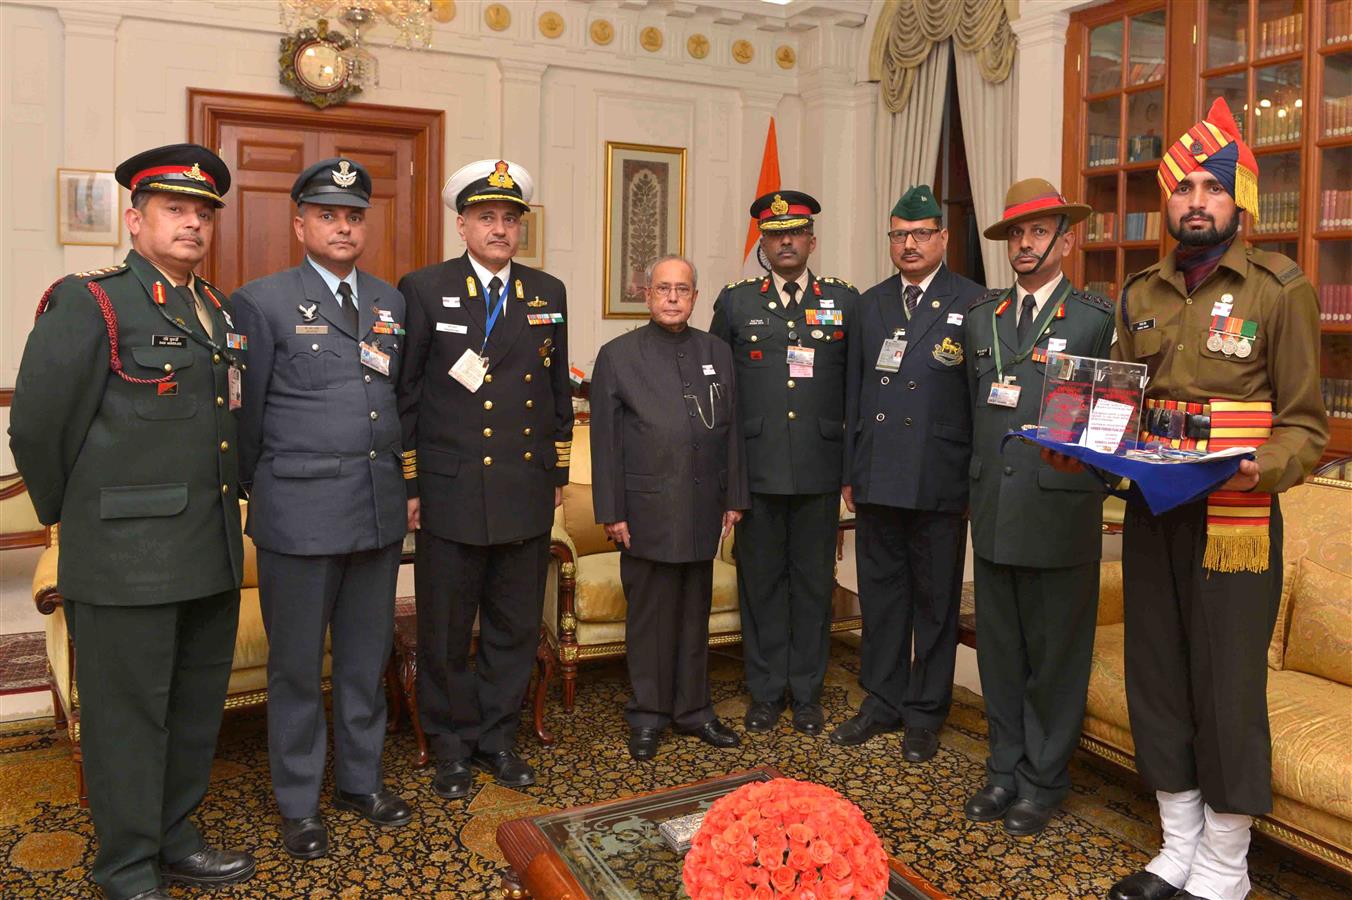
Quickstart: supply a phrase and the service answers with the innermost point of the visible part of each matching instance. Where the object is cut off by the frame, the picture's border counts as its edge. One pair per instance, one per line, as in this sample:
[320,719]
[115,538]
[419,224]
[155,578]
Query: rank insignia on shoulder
[733,284]
[99,273]
[1290,274]
[841,282]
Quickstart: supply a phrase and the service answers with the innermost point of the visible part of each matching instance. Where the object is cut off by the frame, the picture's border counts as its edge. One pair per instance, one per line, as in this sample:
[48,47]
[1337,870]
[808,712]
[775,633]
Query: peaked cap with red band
[1034,198]
[1214,144]
[188,169]
[784,210]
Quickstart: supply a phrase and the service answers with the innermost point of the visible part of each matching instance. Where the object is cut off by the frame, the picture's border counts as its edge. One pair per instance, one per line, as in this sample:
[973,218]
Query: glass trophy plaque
[1094,403]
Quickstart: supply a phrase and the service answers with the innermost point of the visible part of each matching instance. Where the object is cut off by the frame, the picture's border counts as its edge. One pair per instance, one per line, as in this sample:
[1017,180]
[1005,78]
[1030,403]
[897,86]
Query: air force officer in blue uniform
[320,445]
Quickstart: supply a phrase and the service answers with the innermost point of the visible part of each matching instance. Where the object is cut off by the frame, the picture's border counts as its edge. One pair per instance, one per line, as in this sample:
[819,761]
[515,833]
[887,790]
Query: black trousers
[786,557]
[1035,643]
[666,641]
[305,599]
[1196,660]
[463,709]
[152,683]
[910,586]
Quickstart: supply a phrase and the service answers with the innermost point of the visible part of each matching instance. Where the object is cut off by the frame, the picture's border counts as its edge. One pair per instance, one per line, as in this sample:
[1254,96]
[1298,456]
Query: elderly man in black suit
[668,482]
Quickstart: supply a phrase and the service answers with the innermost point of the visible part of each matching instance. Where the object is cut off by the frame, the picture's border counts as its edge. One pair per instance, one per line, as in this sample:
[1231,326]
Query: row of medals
[1229,345]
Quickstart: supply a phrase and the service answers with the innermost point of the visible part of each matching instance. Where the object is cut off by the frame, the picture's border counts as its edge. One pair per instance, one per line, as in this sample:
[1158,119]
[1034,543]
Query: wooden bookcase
[1285,68]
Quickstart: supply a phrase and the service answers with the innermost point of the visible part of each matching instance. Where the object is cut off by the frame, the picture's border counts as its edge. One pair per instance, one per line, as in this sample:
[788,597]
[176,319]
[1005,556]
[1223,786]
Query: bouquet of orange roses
[785,839]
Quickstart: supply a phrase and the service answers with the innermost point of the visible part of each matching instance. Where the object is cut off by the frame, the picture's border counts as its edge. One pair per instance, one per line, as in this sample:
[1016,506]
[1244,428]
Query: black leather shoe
[1024,817]
[643,743]
[1144,886]
[808,718]
[453,780]
[305,838]
[989,803]
[715,734]
[509,770]
[208,867]
[1184,895]
[762,716]
[382,808]
[155,894]
[859,729]
[919,744]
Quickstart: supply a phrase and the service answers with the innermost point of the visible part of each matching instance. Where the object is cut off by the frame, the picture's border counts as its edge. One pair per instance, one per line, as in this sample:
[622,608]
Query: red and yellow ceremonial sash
[1236,521]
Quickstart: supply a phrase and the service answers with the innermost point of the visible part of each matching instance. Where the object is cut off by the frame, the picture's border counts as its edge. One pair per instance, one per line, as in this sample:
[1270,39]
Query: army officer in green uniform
[123,427]
[1035,531]
[787,332]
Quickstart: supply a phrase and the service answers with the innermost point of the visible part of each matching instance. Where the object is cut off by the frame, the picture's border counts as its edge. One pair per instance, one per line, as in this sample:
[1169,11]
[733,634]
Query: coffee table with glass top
[613,851]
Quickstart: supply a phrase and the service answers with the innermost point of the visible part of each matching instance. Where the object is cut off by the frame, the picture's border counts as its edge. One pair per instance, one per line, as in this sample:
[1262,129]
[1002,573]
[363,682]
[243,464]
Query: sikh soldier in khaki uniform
[1231,337]
[123,427]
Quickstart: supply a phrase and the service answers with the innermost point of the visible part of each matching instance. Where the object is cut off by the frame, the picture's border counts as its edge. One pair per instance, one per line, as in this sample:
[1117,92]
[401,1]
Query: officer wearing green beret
[123,427]
[787,332]
[1035,531]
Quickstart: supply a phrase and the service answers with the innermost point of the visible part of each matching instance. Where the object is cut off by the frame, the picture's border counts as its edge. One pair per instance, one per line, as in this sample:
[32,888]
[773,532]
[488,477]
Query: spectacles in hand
[921,235]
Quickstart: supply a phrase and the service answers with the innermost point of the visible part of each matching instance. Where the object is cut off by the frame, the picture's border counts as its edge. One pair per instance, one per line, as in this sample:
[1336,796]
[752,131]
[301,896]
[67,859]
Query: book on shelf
[1335,304]
[1278,211]
[1337,115]
[1338,19]
[1280,125]
[1278,36]
[1106,288]
[1103,150]
[1141,226]
[1337,397]
[1100,227]
[1143,146]
[1335,209]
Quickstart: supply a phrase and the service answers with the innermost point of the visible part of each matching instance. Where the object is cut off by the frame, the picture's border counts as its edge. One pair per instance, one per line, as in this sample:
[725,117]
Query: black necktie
[791,288]
[913,293]
[493,305]
[1026,317]
[197,307]
[349,305]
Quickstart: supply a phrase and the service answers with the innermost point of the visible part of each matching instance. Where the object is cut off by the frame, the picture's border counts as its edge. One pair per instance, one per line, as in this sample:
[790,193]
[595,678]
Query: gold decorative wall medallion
[602,32]
[497,17]
[786,57]
[742,51]
[697,45]
[551,25]
[650,39]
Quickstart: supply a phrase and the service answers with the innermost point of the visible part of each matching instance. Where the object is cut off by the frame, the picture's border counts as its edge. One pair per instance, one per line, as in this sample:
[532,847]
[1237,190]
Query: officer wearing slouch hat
[123,428]
[487,417]
[321,445]
[1230,335]
[787,333]
[908,439]
[1035,531]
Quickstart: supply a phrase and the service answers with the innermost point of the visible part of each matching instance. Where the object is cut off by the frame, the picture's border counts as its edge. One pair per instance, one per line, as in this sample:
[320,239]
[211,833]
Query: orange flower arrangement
[785,838]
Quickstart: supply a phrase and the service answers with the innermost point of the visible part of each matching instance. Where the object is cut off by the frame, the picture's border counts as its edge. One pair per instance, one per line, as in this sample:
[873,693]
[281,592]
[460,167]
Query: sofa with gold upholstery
[1309,677]
[248,676]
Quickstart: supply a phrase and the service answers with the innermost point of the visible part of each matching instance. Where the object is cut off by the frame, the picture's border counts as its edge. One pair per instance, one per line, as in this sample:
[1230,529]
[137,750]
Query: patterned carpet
[1105,831]
[23,662]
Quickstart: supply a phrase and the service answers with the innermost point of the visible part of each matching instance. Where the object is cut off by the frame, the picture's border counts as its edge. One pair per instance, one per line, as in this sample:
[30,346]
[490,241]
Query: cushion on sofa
[1319,638]
[1277,646]
[1311,722]
[579,518]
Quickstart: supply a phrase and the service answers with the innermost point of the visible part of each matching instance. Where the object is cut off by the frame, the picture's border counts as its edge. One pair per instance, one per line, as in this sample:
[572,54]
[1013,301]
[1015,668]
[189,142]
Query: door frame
[209,110]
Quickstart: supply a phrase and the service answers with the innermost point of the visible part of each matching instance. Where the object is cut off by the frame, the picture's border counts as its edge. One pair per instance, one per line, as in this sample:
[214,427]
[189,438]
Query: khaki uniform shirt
[1162,325]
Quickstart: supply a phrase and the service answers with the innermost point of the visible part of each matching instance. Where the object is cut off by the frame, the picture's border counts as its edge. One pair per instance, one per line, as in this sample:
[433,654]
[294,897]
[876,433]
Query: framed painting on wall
[86,208]
[645,219]
[531,250]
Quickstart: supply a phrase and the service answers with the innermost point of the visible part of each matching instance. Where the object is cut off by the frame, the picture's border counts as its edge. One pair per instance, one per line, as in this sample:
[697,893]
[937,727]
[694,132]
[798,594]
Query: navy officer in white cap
[487,420]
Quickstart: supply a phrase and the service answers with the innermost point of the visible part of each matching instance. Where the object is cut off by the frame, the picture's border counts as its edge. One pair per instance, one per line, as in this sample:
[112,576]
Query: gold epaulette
[831,279]
[563,450]
[733,284]
[101,273]
[410,461]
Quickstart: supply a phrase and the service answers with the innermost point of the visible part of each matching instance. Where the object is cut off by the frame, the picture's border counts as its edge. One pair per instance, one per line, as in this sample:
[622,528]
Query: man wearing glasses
[668,482]
[787,333]
[908,440]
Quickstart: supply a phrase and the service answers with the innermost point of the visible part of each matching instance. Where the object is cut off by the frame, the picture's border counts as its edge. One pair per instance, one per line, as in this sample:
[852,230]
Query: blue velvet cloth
[1163,486]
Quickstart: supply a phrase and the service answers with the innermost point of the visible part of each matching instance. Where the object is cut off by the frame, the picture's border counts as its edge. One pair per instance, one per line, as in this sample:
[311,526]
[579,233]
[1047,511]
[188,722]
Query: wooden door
[268,141]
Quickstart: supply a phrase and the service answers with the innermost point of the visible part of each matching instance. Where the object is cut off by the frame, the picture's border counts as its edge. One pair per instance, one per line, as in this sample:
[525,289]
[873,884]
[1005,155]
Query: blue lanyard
[494,309]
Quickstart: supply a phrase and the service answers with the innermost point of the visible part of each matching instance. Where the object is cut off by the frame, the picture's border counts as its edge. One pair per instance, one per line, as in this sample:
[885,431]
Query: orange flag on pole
[768,181]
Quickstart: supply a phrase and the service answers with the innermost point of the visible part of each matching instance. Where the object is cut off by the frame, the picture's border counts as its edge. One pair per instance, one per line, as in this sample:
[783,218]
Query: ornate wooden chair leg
[396,693]
[408,670]
[544,671]
[58,711]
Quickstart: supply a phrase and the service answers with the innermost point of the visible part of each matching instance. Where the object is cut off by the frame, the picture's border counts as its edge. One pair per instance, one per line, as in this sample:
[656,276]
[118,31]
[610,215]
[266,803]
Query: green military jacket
[1164,326]
[1024,512]
[793,424]
[142,477]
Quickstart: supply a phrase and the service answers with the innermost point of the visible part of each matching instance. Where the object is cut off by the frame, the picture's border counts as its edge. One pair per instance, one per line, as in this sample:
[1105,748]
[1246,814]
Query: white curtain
[988,129]
[907,143]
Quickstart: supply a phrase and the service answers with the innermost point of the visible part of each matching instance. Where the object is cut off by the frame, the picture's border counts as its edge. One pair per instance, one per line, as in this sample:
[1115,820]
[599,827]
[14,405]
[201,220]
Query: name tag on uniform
[470,370]
[451,302]
[376,359]
[955,318]
[801,361]
[1056,345]
[312,329]
[168,340]
[826,303]
[709,369]
[1143,325]
[452,328]
[889,357]
[755,321]
[1004,394]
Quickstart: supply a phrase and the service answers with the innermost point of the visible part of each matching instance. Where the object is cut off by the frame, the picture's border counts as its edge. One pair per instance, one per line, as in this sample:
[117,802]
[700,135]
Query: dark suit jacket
[908,434]
[487,462]
[1024,512]
[656,462]
[319,439]
[799,455]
